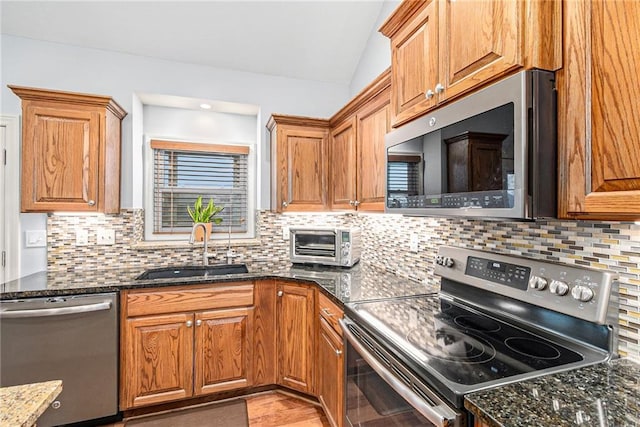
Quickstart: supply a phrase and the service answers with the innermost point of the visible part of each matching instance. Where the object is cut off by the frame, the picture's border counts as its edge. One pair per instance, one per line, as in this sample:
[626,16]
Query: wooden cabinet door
[158,359]
[479,41]
[373,125]
[414,65]
[223,350]
[599,124]
[302,156]
[343,165]
[296,336]
[331,373]
[60,159]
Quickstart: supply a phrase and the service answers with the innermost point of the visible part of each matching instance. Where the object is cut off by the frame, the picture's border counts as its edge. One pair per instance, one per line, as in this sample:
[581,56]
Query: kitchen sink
[193,271]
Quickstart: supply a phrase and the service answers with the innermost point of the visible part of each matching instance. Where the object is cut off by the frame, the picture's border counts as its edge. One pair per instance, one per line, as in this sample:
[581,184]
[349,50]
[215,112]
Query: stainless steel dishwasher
[70,338]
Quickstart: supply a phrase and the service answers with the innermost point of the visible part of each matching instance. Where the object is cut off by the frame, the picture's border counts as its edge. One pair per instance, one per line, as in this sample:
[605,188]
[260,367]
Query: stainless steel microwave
[491,154]
[327,246]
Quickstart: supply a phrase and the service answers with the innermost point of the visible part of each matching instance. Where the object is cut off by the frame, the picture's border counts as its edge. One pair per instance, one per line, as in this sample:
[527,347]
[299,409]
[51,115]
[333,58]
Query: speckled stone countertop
[361,282]
[22,404]
[603,395]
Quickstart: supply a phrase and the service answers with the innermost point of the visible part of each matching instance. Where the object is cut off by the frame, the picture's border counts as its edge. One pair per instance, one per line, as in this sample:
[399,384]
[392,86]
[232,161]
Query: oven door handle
[440,415]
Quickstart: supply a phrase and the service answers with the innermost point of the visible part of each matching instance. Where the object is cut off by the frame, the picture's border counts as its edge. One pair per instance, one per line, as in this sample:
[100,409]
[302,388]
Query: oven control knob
[582,293]
[558,287]
[538,283]
[445,261]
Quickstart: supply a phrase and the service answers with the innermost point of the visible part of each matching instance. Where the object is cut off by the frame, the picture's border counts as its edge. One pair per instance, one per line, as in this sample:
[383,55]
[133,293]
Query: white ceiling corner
[310,40]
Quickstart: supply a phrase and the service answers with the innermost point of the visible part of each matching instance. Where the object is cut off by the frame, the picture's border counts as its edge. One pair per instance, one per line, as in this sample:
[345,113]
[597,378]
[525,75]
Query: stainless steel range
[497,319]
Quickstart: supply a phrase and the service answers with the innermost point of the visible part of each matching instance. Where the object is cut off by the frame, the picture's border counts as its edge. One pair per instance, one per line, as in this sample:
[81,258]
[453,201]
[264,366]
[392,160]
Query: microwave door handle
[440,415]
[316,233]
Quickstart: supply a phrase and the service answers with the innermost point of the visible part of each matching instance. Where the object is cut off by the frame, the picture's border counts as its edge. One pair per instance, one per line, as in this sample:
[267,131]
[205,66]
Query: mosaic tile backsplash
[613,246]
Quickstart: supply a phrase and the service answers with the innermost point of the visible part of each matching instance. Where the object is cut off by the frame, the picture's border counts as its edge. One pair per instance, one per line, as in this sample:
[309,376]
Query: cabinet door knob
[280,293]
[198,322]
[91,202]
[356,203]
[189,323]
[439,88]
[285,204]
[429,94]
[351,202]
[338,352]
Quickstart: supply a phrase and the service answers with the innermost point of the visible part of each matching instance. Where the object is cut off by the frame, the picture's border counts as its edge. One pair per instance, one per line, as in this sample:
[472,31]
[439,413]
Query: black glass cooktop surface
[462,345]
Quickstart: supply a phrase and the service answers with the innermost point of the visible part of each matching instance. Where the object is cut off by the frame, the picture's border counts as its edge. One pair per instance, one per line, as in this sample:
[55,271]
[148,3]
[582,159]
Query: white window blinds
[182,171]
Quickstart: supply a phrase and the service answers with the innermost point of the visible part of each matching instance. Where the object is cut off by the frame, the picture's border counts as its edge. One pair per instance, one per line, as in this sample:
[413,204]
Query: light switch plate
[82,237]
[105,236]
[35,238]
[285,233]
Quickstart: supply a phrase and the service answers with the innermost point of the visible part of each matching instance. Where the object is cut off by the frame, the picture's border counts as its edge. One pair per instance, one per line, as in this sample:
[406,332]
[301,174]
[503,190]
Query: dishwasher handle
[43,312]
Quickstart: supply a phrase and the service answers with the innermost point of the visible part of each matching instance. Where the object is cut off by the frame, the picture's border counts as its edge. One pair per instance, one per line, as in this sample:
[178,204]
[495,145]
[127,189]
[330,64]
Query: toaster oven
[327,246]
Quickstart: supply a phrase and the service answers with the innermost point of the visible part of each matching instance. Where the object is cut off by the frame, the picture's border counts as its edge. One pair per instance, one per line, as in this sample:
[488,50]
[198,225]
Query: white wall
[28,62]
[377,54]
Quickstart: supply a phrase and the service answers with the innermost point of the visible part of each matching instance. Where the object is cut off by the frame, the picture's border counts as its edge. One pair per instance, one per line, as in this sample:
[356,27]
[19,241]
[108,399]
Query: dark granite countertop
[361,282]
[603,395]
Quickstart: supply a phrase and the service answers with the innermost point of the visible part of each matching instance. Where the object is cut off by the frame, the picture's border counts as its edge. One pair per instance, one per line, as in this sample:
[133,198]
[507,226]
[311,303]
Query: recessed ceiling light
[205,106]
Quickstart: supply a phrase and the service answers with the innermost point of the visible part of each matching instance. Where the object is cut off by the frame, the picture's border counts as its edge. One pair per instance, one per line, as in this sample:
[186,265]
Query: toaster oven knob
[445,261]
[582,293]
[558,287]
[538,283]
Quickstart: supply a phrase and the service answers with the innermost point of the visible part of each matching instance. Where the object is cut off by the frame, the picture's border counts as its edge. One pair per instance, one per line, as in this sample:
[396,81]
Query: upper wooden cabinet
[70,151]
[357,151]
[441,49]
[599,124]
[298,163]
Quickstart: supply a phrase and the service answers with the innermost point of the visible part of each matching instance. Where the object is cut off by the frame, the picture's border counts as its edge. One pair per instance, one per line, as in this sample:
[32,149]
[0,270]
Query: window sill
[184,244]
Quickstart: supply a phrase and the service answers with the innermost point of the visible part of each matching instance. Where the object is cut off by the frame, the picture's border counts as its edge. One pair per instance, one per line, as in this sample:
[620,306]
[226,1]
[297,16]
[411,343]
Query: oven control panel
[577,291]
[508,274]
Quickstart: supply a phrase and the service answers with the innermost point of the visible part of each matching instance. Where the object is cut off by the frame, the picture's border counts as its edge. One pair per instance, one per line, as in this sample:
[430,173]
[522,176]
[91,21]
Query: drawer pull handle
[327,312]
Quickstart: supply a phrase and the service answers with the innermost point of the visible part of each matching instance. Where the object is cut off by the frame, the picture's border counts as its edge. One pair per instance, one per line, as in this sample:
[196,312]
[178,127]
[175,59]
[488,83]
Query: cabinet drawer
[189,298]
[330,312]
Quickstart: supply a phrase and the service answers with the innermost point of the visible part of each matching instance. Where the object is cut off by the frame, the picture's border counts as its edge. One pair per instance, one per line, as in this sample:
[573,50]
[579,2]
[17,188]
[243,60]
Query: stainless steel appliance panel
[490,154]
[71,338]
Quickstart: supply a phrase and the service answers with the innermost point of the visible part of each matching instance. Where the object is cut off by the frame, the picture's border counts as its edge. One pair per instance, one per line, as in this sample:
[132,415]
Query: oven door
[376,395]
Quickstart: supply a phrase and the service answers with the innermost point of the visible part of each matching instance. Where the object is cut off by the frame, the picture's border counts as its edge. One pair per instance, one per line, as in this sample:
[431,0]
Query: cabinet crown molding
[37,94]
[296,121]
[400,16]
[378,85]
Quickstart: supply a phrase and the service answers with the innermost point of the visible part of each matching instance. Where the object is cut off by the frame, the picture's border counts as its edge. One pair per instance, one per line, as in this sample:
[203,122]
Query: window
[404,175]
[182,171]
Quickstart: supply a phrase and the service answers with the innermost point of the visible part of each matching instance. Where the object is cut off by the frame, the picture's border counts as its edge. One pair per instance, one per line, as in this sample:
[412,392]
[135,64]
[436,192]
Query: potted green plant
[205,214]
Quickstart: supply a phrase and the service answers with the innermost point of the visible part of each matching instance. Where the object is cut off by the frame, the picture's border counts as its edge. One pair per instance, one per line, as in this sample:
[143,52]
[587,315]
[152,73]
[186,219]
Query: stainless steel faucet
[192,239]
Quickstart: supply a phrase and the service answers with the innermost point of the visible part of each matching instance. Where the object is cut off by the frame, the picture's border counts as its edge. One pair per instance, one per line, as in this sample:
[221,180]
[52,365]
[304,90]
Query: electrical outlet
[285,233]
[413,243]
[105,236]
[82,237]
[35,238]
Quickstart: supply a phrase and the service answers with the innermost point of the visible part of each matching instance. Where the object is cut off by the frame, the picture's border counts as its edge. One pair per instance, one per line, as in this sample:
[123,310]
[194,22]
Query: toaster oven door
[313,246]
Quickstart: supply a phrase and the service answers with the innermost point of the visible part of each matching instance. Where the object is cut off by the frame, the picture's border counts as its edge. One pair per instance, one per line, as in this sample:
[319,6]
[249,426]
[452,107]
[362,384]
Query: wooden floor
[278,409]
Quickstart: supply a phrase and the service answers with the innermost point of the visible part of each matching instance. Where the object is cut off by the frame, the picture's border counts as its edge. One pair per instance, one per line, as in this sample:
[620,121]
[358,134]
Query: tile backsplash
[613,246]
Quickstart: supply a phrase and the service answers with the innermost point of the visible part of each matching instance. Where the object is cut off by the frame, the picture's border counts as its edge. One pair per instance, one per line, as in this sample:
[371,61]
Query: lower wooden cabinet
[173,356]
[330,358]
[158,355]
[223,350]
[296,336]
